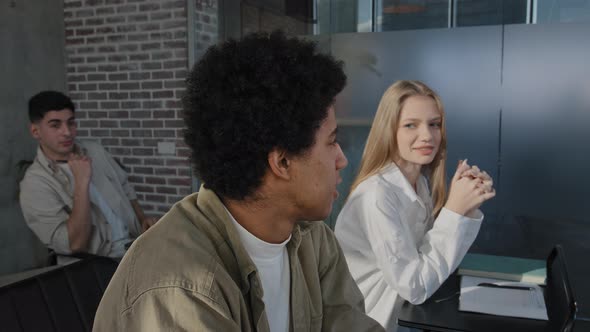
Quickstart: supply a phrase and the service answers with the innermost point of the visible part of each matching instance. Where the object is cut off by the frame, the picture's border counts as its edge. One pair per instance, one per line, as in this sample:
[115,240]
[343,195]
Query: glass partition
[411,14]
[490,12]
[321,17]
[564,11]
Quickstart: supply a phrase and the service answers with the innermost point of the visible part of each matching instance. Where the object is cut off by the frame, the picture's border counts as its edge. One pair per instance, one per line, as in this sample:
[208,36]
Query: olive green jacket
[190,272]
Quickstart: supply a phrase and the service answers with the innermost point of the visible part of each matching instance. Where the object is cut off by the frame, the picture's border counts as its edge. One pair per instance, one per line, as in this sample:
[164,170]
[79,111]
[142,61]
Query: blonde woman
[400,232]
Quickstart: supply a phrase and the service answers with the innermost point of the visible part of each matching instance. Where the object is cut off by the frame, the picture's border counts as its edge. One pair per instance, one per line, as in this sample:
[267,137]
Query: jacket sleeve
[163,309]
[343,302]
[415,269]
[45,213]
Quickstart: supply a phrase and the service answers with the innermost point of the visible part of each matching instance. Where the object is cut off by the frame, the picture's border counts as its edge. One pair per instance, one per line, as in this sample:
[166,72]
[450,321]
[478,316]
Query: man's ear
[279,163]
[34,129]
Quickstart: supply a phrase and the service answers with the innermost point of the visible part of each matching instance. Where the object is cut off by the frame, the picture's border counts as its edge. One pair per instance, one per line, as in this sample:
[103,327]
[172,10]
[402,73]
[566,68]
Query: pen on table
[492,285]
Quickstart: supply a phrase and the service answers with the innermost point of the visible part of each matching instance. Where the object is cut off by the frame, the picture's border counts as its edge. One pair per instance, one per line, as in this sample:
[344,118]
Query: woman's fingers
[488,195]
[487,186]
[474,172]
[462,167]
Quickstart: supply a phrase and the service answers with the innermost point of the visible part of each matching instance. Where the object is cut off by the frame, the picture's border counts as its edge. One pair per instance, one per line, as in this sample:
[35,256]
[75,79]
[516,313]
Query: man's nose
[66,130]
[341,162]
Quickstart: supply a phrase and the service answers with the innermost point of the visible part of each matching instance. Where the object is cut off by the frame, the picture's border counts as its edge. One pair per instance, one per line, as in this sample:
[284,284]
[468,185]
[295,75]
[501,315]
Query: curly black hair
[246,97]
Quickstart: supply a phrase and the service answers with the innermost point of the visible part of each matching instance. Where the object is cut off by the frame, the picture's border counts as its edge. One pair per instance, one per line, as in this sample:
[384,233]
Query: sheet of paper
[525,303]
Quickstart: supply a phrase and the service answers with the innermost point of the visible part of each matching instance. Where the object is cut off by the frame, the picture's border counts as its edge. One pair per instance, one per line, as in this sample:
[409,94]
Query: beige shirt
[47,199]
[190,272]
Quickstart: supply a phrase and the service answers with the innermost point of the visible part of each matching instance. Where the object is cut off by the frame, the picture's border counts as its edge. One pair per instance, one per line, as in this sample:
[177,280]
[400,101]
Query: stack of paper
[503,298]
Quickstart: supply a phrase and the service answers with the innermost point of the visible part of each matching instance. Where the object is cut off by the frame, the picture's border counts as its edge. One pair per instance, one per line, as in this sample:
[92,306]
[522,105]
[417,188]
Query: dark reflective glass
[295,17]
[490,12]
[562,11]
[412,14]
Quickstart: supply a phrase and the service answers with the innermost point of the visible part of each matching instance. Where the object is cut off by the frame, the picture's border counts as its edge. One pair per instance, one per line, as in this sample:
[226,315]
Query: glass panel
[562,11]
[490,12]
[411,14]
[548,62]
[350,15]
[323,14]
[295,17]
[206,27]
[365,16]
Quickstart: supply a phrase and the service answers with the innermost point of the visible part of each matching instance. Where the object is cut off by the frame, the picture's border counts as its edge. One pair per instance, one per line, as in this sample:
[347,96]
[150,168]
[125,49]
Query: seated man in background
[74,196]
[241,255]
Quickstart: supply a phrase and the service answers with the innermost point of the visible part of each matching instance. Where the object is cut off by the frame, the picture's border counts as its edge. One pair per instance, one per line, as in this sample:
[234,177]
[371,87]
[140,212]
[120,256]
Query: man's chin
[68,150]
[324,215]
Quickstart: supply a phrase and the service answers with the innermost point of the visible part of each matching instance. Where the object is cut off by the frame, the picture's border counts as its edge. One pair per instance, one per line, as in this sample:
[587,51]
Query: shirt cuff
[476,215]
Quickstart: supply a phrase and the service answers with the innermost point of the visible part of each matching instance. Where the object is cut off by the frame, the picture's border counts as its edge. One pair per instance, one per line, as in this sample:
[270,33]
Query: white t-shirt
[393,246]
[272,262]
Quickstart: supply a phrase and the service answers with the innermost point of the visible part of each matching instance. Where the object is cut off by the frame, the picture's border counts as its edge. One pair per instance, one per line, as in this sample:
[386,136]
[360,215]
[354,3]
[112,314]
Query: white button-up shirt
[394,247]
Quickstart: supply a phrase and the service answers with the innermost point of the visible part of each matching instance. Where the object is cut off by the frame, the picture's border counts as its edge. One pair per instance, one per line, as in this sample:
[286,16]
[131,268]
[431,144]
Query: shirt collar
[258,248]
[51,164]
[393,175]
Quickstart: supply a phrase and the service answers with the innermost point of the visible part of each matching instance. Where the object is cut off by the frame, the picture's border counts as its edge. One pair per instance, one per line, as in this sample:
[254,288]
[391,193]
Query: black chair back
[561,305]
[64,299]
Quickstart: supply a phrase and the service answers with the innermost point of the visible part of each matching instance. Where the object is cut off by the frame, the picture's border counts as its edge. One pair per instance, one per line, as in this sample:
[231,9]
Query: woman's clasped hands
[470,188]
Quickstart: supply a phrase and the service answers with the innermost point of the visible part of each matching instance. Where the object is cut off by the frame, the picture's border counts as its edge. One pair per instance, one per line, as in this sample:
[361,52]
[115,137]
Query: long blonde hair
[381,148]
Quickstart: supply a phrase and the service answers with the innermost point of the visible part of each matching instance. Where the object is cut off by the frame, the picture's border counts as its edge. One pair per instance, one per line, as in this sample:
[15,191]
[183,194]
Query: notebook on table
[503,267]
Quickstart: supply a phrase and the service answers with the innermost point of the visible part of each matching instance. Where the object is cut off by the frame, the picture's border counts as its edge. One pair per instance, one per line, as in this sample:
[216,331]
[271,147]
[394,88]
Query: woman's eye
[410,125]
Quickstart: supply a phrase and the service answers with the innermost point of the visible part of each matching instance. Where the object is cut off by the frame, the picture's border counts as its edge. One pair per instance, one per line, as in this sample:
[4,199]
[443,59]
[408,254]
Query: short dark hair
[246,97]
[46,101]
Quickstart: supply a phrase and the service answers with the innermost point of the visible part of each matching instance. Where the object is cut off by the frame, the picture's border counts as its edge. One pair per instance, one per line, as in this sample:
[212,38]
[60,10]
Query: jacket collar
[53,169]
[53,165]
[213,208]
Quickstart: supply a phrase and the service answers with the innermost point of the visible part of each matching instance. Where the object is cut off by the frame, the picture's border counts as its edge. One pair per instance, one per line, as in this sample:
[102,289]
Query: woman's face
[419,131]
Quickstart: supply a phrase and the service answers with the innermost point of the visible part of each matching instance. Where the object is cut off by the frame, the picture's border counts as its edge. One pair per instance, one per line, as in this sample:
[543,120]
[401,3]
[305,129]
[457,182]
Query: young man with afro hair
[244,253]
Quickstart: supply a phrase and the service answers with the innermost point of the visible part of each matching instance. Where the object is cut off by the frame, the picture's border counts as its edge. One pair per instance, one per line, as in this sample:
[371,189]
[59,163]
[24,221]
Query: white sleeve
[416,270]
[119,171]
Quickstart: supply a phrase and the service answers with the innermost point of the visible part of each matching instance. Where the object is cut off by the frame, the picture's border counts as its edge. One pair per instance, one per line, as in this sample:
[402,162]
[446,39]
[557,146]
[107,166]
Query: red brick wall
[126,65]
